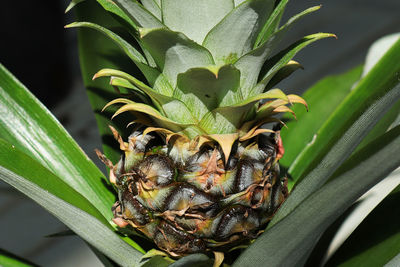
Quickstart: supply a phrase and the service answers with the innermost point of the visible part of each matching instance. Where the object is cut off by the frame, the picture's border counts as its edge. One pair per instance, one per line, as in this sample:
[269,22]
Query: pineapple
[199,173]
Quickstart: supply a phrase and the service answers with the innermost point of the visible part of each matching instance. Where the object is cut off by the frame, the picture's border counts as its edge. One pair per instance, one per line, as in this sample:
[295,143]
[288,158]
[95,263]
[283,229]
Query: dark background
[36,48]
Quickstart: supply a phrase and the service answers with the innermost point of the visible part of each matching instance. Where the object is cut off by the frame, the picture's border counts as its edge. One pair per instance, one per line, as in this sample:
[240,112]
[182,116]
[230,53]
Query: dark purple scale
[233,216]
[171,238]
[156,168]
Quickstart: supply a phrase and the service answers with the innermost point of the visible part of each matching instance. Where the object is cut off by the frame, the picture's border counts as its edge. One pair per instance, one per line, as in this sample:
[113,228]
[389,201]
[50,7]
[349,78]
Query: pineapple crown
[207,64]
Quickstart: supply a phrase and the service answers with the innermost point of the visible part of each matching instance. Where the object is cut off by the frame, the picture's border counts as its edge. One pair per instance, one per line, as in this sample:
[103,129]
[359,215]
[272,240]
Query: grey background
[23,224]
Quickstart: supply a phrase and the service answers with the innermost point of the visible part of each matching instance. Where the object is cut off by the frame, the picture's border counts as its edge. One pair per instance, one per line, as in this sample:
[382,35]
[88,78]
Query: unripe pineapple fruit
[196,202]
[199,173]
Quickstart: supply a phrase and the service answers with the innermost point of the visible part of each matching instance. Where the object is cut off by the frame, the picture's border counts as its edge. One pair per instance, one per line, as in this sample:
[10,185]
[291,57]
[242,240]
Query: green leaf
[72,4]
[273,65]
[204,89]
[19,163]
[29,126]
[154,7]
[173,52]
[102,258]
[382,126]
[283,73]
[93,229]
[251,63]
[349,124]
[238,2]
[272,23]
[229,119]
[394,262]
[170,107]
[370,245]
[194,18]
[137,13]
[323,206]
[375,53]
[112,8]
[97,52]
[235,35]
[194,260]
[160,119]
[345,140]
[8,259]
[150,73]
[157,261]
[299,133]
[345,128]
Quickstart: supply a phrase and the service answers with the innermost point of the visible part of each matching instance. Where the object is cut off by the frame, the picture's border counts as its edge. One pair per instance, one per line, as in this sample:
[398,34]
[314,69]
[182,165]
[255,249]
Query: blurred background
[43,55]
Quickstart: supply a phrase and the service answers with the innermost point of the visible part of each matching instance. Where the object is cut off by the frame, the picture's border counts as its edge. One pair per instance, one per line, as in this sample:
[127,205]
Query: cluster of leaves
[348,142]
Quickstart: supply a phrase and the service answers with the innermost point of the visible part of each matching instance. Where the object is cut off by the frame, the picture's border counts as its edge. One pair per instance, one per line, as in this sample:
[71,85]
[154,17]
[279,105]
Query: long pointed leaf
[97,52]
[299,133]
[17,162]
[108,6]
[394,262]
[90,228]
[235,35]
[149,72]
[345,129]
[273,65]
[8,259]
[272,23]
[371,245]
[154,7]
[172,108]
[137,13]
[194,18]
[29,126]
[251,63]
[279,245]
[203,89]
[173,52]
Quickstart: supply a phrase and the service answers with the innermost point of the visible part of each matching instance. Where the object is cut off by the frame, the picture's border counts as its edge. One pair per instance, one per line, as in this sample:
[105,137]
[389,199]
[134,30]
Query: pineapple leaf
[195,260]
[395,261]
[228,119]
[15,162]
[163,86]
[158,99]
[137,13]
[72,4]
[283,73]
[59,199]
[150,111]
[10,260]
[156,261]
[171,107]
[120,82]
[373,244]
[251,64]
[272,23]
[345,128]
[235,35]
[97,52]
[153,7]
[273,65]
[299,133]
[204,89]
[194,18]
[107,5]
[173,52]
[150,73]
[238,2]
[323,206]
[30,127]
